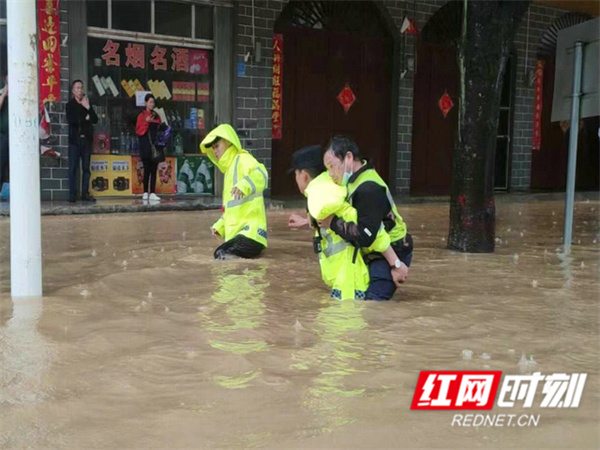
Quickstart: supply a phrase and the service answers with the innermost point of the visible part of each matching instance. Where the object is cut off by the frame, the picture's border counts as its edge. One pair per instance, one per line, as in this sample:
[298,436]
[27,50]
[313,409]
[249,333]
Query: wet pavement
[143,341]
[124,205]
[134,204]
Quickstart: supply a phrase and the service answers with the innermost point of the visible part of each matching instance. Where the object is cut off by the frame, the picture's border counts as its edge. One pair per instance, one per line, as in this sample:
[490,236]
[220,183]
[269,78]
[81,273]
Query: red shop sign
[276,115]
[537,109]
[49,50]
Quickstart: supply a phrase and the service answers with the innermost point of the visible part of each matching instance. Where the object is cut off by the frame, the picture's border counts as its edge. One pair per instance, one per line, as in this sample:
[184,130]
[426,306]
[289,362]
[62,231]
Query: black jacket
[372,209]
[79,126]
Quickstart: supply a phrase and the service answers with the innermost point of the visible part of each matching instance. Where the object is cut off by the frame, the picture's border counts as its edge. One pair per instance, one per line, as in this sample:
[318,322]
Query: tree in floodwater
[487,32]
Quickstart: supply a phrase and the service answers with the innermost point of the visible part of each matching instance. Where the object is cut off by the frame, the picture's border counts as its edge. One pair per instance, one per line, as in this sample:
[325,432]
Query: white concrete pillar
[25,207]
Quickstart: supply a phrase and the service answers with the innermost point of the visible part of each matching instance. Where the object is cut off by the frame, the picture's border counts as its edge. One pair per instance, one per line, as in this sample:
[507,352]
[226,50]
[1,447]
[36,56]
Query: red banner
[49,50]
[537,109]
[276,116]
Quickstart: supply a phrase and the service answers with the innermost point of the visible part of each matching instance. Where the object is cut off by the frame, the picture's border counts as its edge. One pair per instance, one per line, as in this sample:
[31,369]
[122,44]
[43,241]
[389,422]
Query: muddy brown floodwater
[143,341]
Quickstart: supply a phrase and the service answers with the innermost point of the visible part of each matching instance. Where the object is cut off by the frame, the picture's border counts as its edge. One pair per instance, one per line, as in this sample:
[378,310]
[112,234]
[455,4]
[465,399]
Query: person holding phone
[146,129]
[81,118]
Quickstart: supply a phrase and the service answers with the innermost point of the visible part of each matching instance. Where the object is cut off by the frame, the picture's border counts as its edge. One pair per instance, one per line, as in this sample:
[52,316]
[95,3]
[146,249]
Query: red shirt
[141,126]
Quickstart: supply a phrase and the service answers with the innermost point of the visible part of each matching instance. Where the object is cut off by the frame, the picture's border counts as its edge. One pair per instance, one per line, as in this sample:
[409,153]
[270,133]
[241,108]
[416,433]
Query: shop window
[2,9]
[132,15]
[204,22]
[173,19]
[97,13]
[179,77]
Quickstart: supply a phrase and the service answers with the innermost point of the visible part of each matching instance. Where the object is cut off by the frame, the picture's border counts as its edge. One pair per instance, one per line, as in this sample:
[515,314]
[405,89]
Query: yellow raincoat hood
[325,197]
[245,215]
[224,131]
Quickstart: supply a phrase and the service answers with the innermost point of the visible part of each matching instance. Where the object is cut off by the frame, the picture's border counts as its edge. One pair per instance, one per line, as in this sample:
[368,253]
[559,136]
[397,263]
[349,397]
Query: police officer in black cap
[307,164]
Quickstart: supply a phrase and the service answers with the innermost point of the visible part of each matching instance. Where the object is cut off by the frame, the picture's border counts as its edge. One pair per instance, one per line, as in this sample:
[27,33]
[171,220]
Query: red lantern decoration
[346,98]
[445,104]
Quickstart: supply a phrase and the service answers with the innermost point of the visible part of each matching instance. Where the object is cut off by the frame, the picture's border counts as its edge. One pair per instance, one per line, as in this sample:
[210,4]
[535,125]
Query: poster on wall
[537,109]
[166,176]
[48,24]
[199,61]
[203,92]
[111,175]
[276,114]
[195,175]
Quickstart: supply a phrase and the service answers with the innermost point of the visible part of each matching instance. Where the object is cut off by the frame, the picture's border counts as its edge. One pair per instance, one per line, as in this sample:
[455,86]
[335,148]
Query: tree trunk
[487,34]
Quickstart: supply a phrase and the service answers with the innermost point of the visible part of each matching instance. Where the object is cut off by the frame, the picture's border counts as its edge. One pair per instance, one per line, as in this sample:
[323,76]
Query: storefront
[211,61]
[123,50]
[161,48]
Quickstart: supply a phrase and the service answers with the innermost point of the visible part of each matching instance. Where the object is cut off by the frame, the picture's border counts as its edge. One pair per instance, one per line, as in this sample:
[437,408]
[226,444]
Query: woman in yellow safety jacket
[243,225]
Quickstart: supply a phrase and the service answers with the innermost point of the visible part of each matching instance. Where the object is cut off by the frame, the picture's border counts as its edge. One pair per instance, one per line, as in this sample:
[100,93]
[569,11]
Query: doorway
[337,79]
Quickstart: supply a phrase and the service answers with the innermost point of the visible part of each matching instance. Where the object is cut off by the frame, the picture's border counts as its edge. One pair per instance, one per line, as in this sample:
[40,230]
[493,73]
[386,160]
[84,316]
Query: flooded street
[144,341]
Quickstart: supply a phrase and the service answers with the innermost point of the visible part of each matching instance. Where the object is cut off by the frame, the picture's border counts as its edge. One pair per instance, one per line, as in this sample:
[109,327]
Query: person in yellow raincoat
[342,267]
[243,225]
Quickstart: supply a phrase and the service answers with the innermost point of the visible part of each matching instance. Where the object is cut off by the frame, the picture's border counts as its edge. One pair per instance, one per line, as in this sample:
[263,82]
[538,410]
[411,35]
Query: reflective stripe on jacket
[244,216]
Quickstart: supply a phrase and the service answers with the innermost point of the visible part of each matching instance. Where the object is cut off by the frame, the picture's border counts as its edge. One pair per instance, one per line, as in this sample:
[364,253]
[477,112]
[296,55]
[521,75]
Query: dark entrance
[549,163]
[433,133]
[328,46]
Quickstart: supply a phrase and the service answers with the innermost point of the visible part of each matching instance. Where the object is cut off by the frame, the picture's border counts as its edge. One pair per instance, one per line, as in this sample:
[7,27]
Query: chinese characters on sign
[136,56]
[181,60]
[111,56]
[160,58]
[537,109]
[158,61]
[193,65]
[276,119]
[49,51]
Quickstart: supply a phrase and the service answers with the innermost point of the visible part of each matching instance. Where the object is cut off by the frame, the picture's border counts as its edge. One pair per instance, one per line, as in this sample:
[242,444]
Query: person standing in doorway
[146,129]
[4,154]
[81,118]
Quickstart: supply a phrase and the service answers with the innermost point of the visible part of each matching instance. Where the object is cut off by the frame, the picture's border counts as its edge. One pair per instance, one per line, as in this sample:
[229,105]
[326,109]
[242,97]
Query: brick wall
[540,19]
[398,10]
[253,90]
[253,100]
[252,108]
[54,172]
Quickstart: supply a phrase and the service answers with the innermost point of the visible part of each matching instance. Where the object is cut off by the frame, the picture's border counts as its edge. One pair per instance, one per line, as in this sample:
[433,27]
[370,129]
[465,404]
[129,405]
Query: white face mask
[347,174]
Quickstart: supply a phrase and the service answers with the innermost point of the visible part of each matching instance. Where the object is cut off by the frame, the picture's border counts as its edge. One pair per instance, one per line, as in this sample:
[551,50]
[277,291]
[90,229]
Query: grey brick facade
[540,19]
[253,102]
[253,90]
[253,97]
